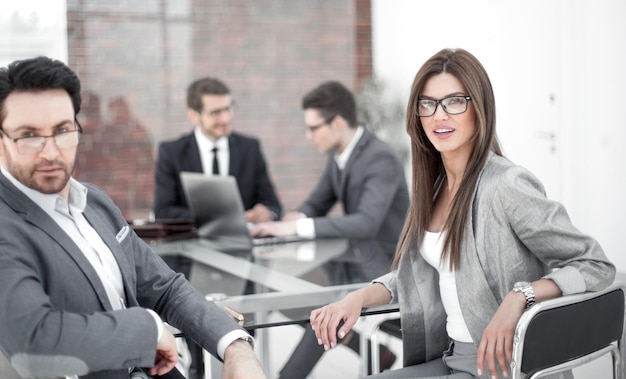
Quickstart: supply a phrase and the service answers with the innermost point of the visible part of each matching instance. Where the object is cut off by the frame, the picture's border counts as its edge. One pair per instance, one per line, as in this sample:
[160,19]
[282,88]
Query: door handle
[547,135]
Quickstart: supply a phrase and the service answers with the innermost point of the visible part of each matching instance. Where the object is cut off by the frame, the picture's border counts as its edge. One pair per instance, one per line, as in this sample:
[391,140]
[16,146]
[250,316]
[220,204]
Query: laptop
[219,212]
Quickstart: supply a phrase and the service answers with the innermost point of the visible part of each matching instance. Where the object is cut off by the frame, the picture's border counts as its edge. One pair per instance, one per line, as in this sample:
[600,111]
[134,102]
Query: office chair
[391,327]
[558,334]
[563,333]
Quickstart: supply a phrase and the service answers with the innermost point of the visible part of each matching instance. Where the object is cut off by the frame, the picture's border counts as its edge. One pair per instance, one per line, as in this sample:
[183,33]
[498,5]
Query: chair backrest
[563,330]
[392,327]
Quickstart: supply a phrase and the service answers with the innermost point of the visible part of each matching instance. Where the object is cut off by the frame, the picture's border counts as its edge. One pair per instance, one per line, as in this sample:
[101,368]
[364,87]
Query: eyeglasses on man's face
[451,105]
[214,113]
[313,128]
[29,144]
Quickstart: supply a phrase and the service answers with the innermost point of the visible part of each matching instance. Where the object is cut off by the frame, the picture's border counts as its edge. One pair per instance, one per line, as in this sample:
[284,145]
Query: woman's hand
[496,345]
[325,320]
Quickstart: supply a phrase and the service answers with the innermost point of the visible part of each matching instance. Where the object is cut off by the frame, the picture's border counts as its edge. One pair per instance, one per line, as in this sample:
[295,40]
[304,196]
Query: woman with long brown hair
[481,242]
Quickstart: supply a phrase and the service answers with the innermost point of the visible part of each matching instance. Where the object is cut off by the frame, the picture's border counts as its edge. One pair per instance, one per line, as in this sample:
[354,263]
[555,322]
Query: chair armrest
[569,327]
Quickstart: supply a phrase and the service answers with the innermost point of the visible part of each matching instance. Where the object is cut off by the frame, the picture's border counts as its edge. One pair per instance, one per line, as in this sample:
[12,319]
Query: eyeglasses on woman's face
[451,105]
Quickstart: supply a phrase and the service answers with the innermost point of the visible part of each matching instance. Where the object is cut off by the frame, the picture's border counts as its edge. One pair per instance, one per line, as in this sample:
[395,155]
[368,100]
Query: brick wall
[135,60]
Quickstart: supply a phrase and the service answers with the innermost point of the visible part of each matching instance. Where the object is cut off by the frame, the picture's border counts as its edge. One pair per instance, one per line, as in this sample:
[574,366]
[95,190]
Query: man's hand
[166,354]
[240,362]
[274,228]
[293,215]
[258,213]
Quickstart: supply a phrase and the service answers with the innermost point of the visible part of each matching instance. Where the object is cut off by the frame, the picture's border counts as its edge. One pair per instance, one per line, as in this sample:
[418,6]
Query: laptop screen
[216,205]
[219,213]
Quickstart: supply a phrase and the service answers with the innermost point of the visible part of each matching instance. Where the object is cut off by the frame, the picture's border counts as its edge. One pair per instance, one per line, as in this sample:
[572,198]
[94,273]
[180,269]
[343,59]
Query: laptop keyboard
[260,241]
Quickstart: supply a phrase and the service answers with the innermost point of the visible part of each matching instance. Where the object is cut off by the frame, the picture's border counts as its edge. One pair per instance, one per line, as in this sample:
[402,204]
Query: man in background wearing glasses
[80,293]
[213,148]
[365,176]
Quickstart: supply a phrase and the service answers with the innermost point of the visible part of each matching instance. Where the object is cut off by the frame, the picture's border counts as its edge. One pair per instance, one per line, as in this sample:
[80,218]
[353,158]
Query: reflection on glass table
[292,278]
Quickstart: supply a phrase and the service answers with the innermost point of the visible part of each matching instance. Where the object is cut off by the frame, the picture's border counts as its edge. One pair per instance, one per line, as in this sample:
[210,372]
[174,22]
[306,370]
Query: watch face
[520,285]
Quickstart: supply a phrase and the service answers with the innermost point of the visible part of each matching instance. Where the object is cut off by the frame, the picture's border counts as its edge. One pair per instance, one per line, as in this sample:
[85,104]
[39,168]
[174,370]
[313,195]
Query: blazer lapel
[235,154]
[126,267]
[473,276]
[34,215]
[358,150]
[192,161]
[336,178]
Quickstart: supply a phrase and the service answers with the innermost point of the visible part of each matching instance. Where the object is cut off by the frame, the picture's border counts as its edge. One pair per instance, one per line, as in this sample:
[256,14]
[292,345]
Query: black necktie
[216,166]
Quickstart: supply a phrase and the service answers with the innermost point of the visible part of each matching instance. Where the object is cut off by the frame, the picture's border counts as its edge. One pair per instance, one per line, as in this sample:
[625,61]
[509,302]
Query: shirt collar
[205,144]
[48,202]
[342,159]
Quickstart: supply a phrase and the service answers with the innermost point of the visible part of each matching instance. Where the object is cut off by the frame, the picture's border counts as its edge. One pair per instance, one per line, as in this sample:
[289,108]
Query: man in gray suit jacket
[363,174]
[80,293]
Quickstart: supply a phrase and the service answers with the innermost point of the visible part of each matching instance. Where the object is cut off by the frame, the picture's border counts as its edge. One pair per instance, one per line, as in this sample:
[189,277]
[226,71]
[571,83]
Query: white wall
[577,81]
[598,122]
[32,27]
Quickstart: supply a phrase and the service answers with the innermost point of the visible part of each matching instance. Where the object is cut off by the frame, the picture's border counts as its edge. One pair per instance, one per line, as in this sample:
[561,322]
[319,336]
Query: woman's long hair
[427,164]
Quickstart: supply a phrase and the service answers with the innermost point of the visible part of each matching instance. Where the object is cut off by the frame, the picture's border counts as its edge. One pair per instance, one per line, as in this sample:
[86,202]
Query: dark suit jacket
[247,165]
[55,316]
[372,190]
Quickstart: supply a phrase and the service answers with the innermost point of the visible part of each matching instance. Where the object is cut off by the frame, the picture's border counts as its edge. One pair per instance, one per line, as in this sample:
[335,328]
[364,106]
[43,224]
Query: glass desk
[291,278]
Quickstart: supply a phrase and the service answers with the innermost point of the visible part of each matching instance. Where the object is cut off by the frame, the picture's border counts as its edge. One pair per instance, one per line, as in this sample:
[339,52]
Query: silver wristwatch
[527,289]
[248,339]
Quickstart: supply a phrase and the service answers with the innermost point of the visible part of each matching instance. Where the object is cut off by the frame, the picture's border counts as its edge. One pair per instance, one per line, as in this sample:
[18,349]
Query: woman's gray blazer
[513,233]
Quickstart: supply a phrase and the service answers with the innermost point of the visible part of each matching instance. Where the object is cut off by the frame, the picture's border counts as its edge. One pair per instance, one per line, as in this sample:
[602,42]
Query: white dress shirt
[69,216]
[305,227]
[205,145]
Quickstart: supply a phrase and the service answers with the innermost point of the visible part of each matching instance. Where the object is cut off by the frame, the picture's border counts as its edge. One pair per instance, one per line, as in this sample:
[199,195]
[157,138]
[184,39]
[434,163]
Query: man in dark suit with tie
[213,148]
[80,293]
[364,175]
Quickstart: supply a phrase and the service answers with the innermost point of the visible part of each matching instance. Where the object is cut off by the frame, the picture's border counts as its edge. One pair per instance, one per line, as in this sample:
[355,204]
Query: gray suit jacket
[55,316]
[513,233]
[372,190]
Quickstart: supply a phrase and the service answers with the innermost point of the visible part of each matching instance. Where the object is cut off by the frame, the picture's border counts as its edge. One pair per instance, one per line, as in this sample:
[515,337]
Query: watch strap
[527,290]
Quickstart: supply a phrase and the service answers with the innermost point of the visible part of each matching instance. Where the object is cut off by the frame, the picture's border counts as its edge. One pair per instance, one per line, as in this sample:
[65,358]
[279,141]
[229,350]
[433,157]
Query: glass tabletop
[292,278]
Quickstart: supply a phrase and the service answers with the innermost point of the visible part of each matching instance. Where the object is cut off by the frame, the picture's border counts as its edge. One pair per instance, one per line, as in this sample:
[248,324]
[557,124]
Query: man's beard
[40,182]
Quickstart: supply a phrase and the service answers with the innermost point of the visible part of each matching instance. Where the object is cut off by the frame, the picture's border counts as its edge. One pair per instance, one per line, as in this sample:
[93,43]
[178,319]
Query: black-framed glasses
[64,138]
[327,121]
[214,113]
[451,105]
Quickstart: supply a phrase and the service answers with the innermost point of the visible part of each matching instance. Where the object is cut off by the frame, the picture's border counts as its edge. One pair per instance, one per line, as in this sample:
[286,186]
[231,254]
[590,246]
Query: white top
[431,250]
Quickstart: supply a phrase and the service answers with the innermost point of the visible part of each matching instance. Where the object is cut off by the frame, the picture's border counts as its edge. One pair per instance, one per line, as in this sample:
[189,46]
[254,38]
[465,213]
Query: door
[524,40]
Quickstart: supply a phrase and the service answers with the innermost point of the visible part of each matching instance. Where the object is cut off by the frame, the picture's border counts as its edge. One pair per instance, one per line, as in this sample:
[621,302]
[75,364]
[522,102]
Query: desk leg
[212,366]
[263,342]
[365,353]
[261,335]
